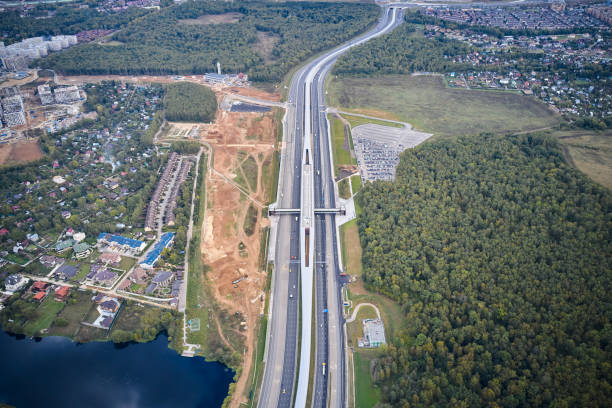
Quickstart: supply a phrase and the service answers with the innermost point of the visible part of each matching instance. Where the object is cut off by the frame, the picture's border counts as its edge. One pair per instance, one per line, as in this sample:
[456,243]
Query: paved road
[279,383]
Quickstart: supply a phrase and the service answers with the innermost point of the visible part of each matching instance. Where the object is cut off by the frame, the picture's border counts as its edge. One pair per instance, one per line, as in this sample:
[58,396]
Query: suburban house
[61,293]
[122,243]
[162,278]
[67,271]
[39,286]
[109,306]
[39,296]
[64,245]
[105,276]
[15,282]
[50,261]
[81,250]
[110,258]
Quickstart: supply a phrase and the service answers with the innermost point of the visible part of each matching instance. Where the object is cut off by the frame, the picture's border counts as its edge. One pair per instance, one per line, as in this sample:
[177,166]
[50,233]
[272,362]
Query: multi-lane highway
[305,249]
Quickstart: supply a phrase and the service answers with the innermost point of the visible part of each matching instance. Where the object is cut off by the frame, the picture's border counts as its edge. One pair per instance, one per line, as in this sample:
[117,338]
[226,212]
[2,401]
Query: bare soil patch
[232,253]
[226,18]
[20,152]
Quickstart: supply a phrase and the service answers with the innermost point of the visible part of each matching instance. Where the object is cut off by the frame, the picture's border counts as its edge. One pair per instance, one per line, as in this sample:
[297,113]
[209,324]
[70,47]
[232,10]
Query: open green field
[47,311]
[427,104]
[340,149]
[344,189]
[196,305]
[351,248]
[358,120]
[74,312]
[367,394]
[590,152]
[356,183]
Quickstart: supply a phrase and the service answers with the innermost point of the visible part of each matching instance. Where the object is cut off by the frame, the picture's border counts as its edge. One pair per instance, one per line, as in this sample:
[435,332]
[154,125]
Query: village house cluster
[554,17]
[560,70]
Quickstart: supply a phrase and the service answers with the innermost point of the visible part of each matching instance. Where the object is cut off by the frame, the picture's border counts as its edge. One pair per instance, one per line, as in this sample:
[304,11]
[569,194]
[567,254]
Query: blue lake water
[56,372]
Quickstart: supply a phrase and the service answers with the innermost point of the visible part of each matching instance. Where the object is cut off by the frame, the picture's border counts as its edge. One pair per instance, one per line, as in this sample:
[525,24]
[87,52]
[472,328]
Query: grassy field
[343,189]
[47,311]
[357,120]
[195,307]
[249,167]
[366,394]
[342,155]
[351,248]
[590,152]
[427,104]
[356,183]
[73,313]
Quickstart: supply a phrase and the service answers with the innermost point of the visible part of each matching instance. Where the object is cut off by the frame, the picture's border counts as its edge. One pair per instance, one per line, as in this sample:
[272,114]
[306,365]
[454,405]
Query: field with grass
[590,152]
[426,103]
[46,312]
[341,147]
[351,248]
[358,120]
[344,189]
[367,394]
[74,312]
[356,183]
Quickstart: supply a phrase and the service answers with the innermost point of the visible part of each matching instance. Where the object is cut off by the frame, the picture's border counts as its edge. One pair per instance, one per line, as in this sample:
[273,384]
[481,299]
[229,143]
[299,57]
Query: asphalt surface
[279,382]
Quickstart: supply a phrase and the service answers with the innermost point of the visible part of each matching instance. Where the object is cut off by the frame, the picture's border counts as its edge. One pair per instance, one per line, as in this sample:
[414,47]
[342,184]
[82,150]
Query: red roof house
[62,293]
[39,286]
[40,296]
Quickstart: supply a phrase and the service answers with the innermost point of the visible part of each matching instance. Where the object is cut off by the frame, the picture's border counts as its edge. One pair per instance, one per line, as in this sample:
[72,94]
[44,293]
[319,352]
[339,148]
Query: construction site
[234,228]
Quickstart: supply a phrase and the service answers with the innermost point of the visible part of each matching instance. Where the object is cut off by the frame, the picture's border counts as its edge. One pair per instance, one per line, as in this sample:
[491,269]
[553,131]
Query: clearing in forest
[226,18]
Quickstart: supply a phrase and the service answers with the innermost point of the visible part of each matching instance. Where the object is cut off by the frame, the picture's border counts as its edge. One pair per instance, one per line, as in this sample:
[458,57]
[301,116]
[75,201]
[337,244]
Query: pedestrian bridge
[296,211]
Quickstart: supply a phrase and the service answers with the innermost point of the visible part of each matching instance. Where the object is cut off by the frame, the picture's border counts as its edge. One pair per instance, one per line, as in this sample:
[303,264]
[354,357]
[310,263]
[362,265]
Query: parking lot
[378,148]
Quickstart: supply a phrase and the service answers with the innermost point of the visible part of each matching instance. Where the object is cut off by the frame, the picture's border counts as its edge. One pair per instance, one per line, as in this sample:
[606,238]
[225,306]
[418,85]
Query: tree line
[400,52]
[499,253]
[160,43]
[189,102]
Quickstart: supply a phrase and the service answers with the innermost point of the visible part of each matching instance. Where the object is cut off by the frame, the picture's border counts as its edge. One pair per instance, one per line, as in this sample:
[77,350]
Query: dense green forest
[159,43]
[400,53]
[66,20]
[189,102]
[500,254]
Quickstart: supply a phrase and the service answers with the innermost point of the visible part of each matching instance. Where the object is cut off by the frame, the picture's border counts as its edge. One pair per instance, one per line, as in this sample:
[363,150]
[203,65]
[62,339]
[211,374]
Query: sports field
[430,106]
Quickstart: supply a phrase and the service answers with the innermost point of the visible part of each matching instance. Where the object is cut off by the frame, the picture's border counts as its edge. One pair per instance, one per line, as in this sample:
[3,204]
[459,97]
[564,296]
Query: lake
[56,372]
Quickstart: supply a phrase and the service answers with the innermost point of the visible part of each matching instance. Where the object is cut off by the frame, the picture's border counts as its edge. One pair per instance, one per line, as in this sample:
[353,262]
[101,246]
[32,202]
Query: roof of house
[162,277]
[110,305]
[107,321]
[39,295]
[80,247]
[159,246]
[67,270]
[64,244]
[40,285]
[13,279]
[151,288]
[118,239]
[62,291]
[105,275]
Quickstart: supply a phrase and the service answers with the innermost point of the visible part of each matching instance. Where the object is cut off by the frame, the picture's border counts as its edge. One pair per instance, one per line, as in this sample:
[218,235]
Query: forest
[189,102]
[499,254]
[159,43]
[65,20]
[401,53]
